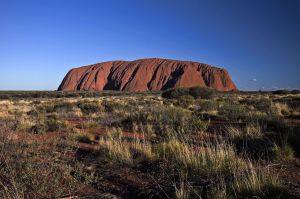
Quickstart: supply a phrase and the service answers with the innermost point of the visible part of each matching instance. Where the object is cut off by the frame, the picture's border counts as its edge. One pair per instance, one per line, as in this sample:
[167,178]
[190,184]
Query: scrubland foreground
[186,144]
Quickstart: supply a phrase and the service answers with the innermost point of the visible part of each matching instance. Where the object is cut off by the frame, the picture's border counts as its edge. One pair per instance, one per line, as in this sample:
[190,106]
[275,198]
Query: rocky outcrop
[146,74]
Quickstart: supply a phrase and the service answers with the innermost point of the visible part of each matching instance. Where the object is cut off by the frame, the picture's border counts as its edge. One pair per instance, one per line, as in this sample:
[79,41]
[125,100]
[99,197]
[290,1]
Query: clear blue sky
[258,41]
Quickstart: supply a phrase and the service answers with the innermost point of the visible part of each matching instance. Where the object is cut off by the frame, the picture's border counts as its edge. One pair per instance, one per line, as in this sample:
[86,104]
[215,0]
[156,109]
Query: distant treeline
[67,94]
[284,92]
[277,92]
[86,94]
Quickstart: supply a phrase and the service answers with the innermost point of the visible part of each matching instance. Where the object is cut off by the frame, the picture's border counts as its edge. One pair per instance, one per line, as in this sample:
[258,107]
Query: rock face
[146,74]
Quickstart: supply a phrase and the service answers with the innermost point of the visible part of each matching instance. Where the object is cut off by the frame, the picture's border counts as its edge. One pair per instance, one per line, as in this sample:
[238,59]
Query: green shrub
[89,107]
[63,107]
[185,101]
[281,92]
[53,124]
[194,125]
[87,124]
[47,107]
[233,111]
[84,138]
[175,93]
[196,92]
[23,127]
[200,92]
[112,106]
[38,128]
[208,105]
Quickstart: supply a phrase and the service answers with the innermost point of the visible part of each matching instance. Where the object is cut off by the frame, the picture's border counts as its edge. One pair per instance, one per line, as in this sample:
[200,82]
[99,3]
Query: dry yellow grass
[216,159]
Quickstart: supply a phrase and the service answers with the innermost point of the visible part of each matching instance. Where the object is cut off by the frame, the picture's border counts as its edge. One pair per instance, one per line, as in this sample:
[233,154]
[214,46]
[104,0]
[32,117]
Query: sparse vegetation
[192,143]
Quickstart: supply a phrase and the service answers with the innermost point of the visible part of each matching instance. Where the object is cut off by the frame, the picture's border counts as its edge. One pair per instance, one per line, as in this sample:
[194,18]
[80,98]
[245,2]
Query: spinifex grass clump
[251,130]
[206,159]
[257,182]
[116,148]
[283,152]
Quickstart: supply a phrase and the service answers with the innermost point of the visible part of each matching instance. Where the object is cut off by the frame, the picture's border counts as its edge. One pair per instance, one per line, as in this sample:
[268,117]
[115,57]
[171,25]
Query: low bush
[185,101]
[87,125]
[281,92]
[117,107]
[194,125]
[64,107]
[209,105]
[200,92]
[47,107]
[24,126]
[175,93]
[54,124]
[196,92]
[84,138]
[233,111]
[88,107]
[295,92]
[38,128]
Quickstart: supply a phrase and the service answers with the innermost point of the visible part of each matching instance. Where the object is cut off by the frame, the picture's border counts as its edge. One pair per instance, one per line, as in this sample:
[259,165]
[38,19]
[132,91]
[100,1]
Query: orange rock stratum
[146,74]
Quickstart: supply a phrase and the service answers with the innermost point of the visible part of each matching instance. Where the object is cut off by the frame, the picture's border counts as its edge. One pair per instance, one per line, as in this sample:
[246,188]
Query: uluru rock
[146,74]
